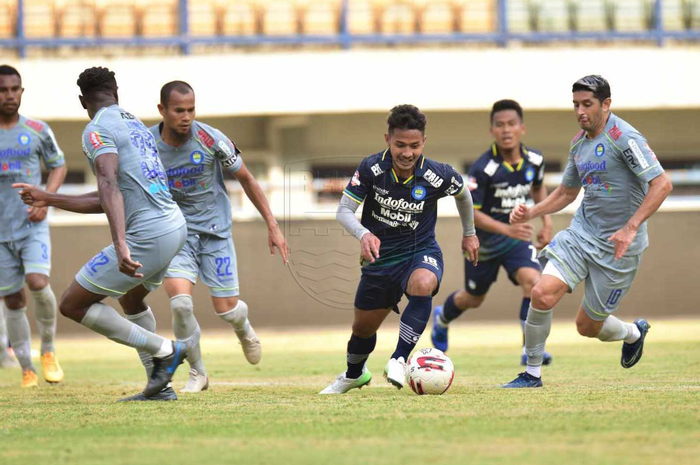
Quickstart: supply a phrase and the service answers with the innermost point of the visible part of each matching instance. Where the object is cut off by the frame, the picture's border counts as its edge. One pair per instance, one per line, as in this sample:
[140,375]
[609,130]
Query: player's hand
[370,247]
[37,214]
[126,264]
[544,237]
[32,195]
[521,231]
[470,246]
[622,239]
[520,214]
[276,239]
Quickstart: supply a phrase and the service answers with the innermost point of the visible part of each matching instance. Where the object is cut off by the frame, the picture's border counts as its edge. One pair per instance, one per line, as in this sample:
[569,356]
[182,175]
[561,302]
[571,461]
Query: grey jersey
[149,207]
[195,177]
[614,169]
[21,148]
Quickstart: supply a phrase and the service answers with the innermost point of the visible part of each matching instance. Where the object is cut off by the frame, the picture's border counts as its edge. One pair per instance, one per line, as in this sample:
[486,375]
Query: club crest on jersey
[24,139]
[529,174]
[599,150]
[196,157]
[418,192]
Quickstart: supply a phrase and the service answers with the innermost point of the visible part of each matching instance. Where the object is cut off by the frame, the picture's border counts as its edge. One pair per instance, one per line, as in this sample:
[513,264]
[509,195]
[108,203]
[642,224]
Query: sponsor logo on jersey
[24,139]
[376,169]
[127,116]
[434,180]
[512,192]
[13,165]
[225,148]
[184,171]
[599,150]
[95,139]
[615,133]
[380,190]
[593,183]
[399,204]
[651,152]
[588,166]
[638,154]
[355,181]
[185,183]
[196,157]
[156,188]
[629,156]
[418,192]
[491,168]
[37,126]
[205,138]
[14,153]
[535,158]
[529,174]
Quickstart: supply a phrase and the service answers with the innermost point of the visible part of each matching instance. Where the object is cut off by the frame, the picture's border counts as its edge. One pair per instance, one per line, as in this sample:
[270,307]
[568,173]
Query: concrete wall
[318,287]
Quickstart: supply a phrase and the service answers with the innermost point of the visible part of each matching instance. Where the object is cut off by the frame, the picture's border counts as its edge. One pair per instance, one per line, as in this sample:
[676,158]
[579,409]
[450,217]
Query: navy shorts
[383,286]
[478,279]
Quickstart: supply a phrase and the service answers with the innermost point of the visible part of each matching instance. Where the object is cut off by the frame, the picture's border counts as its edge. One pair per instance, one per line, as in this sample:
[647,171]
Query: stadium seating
[476,16]
[117,18]
[632,15]
[554,16]
[437,17]
[238,18]
[398,18]
[279,17]
[321,17]
[7,18]
[39,18]
[591,15]
[159,18]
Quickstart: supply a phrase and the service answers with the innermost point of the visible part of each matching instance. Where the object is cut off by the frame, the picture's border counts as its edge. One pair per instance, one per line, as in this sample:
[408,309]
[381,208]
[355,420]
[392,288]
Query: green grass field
[591,411]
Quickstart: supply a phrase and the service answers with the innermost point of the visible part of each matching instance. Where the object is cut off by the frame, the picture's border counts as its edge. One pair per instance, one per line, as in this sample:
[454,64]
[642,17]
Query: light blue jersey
[614,169]
[149,208]
[21,148]
[196,179]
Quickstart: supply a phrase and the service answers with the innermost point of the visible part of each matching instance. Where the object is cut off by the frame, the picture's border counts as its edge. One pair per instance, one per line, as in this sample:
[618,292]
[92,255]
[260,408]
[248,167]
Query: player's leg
[478,280]
[608,283]
[139,313]
[6,358]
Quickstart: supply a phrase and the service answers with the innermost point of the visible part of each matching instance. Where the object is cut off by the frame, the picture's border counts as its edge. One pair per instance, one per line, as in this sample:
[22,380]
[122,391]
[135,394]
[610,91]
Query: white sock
[45,310]
[535,370]
[238,318]
[616,330]
[166,348]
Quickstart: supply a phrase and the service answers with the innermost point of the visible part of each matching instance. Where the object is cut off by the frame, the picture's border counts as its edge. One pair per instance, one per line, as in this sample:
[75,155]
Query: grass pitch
[591,411]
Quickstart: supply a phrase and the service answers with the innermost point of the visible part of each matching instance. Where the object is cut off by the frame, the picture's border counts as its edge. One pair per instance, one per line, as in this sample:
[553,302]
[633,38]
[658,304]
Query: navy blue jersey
[497,187]
[401,212]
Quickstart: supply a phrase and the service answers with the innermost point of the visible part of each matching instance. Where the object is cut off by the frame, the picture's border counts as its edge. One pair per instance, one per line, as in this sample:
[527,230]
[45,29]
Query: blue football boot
[439,334]
[632,353]
[524,380]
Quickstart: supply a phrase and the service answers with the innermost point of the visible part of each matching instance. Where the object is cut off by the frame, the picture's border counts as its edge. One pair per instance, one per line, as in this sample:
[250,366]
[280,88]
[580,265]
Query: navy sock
[450,311]
[413,322]
[524,307]
[359,349]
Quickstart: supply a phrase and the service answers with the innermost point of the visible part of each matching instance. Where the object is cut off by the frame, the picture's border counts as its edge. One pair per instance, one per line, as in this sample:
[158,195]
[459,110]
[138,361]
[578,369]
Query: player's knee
[423,286]
[587,328]
[182,306]
[65,306]
[15,301]
[542,299]
[363,331]
[37,282]
[475,301]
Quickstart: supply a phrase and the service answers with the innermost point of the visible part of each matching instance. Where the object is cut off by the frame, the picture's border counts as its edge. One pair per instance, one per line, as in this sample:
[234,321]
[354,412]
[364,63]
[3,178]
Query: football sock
[617,330]
[524,307]
[45,313]
[147,321]
[104,320]
[359,349]
[186,329]
[20,336]
[450,311]
[537,327]
[3,331]
[413,321]
[238,318]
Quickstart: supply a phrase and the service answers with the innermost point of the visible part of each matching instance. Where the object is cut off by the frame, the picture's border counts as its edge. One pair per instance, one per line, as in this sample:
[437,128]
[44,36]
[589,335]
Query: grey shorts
[607,280]
[101,274]
[31,254]
[211,258]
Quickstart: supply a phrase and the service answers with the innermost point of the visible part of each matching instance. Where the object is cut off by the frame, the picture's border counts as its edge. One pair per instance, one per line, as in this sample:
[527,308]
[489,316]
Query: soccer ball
[430,371]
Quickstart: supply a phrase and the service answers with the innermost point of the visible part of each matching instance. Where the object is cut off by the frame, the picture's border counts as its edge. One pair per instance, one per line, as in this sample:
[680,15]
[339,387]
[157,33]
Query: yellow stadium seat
[554,16]
[159,18]
[39,18]
[279,18]
[437,18]
[477,16]
[202,16]
[631,15]
[8,18]
[362,17]
[117,18]
[321,17]
[239,18]
[398,18]
[672,15]
[76,19]
[591,15]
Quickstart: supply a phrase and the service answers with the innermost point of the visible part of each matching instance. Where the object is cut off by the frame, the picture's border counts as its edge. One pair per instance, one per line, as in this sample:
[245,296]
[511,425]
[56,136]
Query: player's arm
[353,196]
[38,198]
[256,195]
[465,207]
[106,171]
[539,193]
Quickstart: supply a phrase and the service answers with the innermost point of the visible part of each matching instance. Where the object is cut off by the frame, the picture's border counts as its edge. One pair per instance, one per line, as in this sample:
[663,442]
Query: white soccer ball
[430,371]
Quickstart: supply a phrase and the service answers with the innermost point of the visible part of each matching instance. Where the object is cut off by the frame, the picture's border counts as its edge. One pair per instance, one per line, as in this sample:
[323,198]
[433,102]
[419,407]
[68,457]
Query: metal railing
[501,33]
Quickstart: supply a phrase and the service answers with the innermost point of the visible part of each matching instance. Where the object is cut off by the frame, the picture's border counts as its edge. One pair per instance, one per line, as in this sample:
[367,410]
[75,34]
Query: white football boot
[250,343]
[196,383]
[341,385]
[395,372]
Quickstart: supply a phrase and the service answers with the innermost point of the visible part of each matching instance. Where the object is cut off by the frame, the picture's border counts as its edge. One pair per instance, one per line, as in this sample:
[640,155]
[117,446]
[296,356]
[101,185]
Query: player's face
[507,129]
[179,114]
[406,146]
[590,112]
[10,95]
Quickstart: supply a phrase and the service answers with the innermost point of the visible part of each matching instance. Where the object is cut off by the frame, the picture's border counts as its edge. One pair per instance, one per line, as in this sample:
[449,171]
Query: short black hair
[503,105]
[406,117]
[594,83]
[181,87]
[7,70]
[96,79]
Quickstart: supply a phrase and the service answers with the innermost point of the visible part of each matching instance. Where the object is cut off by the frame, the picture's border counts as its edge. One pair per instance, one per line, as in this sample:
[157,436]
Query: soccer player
[194,156]
[147,228]
[400,189]
[25,244]
[504,176]
[624,184]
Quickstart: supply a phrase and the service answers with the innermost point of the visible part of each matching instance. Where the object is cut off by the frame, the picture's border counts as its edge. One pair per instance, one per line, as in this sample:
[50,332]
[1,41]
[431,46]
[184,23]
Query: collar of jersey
[506,165]
[388,165]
